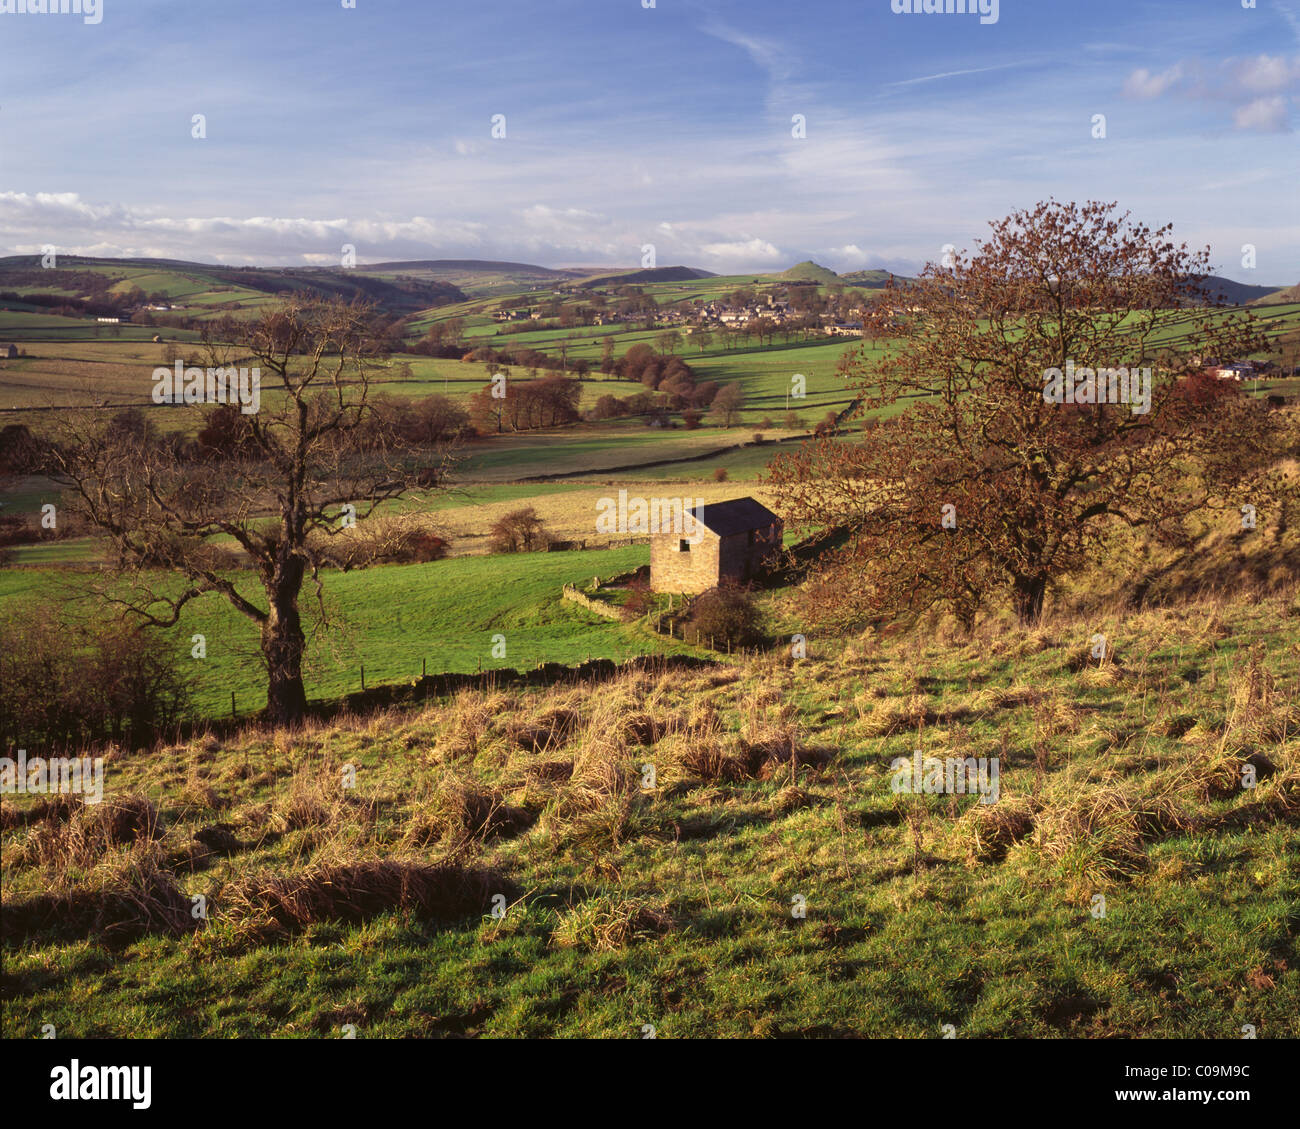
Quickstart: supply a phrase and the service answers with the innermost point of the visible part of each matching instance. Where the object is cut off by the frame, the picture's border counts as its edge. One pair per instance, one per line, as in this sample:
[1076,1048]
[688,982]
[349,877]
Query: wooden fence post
[363,678]
[233,713]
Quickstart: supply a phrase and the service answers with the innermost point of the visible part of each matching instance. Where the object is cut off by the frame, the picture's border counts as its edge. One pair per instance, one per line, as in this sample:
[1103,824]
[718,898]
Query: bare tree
[317,458]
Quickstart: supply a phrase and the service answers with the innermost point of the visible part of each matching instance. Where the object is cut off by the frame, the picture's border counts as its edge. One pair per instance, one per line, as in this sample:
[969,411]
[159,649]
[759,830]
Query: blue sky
[626,126]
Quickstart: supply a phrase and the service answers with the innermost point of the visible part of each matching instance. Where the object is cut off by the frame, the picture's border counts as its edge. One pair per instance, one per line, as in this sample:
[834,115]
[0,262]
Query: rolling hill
[1283,297]
[207,289]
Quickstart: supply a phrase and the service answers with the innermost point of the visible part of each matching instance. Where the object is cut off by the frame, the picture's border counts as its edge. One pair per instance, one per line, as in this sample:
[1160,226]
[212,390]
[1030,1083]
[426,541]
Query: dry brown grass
[462,813]
[263,906]
[991,830]
[607,924]
[134,897]
[84,837]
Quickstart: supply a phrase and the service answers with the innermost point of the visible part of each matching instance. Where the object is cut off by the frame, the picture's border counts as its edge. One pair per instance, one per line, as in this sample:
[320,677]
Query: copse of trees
[525,404]
[983,484]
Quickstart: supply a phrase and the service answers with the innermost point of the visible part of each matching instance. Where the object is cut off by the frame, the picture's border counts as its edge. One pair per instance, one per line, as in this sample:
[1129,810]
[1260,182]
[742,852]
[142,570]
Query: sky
[627,126]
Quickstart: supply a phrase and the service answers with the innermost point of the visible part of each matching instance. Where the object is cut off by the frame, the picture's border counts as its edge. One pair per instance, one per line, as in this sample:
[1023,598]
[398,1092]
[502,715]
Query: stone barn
[733,541]
[8,352]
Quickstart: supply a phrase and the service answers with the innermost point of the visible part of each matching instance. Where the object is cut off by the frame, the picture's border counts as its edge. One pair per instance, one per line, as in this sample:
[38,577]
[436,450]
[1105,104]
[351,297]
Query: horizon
[627,126]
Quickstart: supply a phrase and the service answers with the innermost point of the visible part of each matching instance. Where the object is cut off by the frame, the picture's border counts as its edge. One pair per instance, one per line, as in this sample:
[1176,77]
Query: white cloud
[742,252]
[1143,84]
[1267,73]
[77,227]
[1266,115]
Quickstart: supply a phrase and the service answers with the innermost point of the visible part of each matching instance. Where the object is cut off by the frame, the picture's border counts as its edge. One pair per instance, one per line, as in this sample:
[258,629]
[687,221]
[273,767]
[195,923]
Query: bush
[727,615]
[520,531]
[388,539]
[69,684]
[720,474]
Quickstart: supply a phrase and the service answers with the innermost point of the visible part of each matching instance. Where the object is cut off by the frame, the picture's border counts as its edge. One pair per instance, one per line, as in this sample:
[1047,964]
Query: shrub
[387,539]
[520,531]
[727,615]
[720,474]
[69,683]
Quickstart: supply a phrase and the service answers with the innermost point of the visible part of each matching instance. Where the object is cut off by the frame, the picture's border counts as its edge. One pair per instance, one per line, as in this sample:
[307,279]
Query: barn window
[683,546]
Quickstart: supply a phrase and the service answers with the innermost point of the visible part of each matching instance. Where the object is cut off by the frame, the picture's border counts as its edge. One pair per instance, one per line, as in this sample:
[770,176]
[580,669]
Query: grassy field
[390,619]
[771,882]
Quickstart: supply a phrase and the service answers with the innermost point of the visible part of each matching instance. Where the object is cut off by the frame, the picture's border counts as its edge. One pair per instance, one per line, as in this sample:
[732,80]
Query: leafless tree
[316,459]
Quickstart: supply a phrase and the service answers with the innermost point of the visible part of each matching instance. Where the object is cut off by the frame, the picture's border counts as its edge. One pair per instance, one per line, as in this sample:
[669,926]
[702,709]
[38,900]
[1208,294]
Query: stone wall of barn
[712,560]
[671,570]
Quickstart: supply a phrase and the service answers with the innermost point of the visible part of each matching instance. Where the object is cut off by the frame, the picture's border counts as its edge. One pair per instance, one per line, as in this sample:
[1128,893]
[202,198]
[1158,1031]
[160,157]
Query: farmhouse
[7,351]
[731,542]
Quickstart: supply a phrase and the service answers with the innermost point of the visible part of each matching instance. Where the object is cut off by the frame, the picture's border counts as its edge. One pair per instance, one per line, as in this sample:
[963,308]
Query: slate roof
[735,516]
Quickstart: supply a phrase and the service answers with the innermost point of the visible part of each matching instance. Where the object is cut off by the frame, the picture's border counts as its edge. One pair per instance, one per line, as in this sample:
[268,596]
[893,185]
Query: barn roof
[735,516]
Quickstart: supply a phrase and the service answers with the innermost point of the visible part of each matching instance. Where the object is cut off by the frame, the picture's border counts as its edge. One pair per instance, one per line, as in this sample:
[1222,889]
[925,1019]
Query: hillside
[770,879]
[650,274]
[1227,292]
[206,290]
[873,279]
[808,271]
[1285,296]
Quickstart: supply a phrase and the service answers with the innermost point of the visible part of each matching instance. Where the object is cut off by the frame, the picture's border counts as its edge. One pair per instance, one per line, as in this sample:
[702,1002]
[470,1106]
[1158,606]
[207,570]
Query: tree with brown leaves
[1005,466]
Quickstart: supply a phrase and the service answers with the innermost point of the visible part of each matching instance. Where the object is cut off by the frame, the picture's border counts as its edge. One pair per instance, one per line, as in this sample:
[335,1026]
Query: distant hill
[1236,293]
[1279,297]
[461,266]
[808,271]
[208,289]
[650,274]
[873,279]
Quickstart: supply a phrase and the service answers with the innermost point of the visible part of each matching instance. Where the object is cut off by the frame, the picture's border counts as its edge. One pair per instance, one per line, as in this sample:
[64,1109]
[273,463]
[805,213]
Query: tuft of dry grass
[1098,835]
[262,906]
[547,731]
[135,897]
[991,830]
[607,924]
[461,813]
[62,842]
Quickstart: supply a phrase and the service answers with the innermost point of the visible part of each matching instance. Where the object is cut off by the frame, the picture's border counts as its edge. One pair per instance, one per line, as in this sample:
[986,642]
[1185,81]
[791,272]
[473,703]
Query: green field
[391,619]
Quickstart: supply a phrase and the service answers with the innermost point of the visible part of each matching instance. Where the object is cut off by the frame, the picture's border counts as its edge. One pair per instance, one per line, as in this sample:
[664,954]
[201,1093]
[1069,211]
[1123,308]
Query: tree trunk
[283,644]
[1027,598]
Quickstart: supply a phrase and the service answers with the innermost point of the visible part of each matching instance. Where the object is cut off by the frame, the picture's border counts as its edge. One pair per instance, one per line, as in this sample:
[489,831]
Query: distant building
[109,321]
[734,541]
[1243,370]
[8,352]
